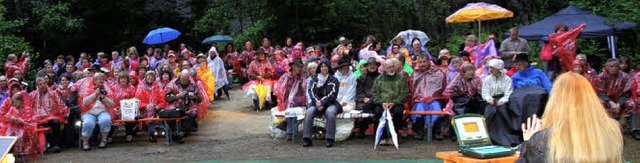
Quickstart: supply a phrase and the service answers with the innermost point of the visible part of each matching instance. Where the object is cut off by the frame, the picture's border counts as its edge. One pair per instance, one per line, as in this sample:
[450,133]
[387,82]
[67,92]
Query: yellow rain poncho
[207,78]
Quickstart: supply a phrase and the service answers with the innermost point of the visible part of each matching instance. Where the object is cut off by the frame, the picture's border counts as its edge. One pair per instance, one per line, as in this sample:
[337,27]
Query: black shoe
[153,138]
[56,149]
[307,142]
[179,137]
[330,143]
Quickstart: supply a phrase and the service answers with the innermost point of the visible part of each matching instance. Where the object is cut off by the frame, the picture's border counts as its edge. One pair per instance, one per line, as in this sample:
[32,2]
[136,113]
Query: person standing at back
[512,46]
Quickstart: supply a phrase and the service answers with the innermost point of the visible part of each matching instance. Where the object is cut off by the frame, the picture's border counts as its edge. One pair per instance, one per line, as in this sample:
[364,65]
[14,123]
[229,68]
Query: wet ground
[232,130]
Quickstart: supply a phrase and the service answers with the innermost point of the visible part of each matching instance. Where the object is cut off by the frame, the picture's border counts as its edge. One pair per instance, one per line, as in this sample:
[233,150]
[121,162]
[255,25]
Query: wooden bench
[42,129]
[429,115]
[168,132]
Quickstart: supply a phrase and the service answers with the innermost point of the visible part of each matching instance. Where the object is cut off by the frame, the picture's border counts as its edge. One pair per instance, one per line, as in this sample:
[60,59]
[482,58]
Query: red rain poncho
[119,92]
[150,95]
[175,88]
[10,67]
[616,88]
[291,91]
[25,129]
[48,106]
[565,44]
[6,104]
[90,89]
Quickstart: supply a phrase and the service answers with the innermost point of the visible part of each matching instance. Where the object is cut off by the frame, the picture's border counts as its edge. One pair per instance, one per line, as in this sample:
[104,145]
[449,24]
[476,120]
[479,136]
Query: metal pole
[479,31]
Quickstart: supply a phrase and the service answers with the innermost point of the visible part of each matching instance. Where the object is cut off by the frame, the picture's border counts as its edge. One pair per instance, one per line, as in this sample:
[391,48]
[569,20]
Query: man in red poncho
[614,90]
[151,97]
[184,93]
[50,111]
[291,94]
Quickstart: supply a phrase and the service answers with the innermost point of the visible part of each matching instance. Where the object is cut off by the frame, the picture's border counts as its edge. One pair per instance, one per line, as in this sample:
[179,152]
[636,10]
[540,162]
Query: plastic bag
[129,109]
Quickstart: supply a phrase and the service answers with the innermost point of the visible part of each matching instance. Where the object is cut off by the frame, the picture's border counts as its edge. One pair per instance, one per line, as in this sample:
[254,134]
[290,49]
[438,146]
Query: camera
[102,91]
[187,99]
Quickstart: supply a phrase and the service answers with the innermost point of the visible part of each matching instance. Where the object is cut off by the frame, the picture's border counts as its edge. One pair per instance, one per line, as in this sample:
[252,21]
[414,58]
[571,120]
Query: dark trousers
[55,136]
[396,114]
[463,105]
[185,125]
[365,122]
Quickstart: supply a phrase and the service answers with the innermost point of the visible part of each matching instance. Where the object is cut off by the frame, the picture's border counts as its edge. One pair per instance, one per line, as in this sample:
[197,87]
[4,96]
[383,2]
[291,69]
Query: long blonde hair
[579,128]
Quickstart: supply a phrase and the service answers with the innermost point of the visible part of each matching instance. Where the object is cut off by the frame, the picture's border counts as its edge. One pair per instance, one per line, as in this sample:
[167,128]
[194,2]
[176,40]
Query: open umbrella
[408,35]
[161,35]
[218,39]
[477,12]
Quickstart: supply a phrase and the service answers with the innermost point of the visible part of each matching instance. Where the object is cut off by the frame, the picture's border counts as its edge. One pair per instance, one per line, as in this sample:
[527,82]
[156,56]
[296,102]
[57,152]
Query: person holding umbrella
[390,92]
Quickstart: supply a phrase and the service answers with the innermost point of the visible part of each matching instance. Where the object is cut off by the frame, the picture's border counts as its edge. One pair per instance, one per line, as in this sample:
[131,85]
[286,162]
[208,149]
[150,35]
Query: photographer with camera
[96,105]
[182,97]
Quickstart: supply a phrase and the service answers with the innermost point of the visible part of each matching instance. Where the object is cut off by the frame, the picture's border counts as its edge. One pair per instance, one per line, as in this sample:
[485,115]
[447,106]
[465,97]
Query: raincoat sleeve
[376,92]
[141,94]
[505,84]
[602,94]
[453,90]
[61,109]
[404,92]
[351,90]
[360,93]
[486,89]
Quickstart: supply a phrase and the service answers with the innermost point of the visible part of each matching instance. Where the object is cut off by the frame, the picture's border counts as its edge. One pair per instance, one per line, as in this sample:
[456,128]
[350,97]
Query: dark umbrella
[218,39]
[161,35]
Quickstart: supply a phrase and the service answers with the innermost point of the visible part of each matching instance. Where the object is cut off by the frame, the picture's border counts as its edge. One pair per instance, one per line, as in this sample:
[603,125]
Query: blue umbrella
[161,35]
[218,39]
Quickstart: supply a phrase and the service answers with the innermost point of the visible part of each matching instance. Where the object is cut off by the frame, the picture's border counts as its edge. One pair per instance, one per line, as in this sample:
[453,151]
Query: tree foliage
[56,27]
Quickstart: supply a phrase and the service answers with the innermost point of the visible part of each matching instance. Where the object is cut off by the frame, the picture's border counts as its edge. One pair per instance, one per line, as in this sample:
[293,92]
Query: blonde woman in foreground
[576,127]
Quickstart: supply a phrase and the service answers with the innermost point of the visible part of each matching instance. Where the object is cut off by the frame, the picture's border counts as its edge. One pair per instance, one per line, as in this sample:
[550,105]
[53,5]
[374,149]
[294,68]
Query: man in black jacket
[363,92]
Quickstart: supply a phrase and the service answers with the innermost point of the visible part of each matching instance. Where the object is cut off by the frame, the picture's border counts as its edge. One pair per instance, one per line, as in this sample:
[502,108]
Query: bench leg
[429,127]
[168,135]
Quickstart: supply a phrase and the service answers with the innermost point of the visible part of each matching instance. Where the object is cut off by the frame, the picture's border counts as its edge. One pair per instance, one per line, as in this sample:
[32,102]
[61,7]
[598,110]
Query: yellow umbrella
[262,91]
[477,12]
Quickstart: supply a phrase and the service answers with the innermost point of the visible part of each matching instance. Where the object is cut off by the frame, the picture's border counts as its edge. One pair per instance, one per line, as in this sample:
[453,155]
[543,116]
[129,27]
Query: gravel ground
[233,131]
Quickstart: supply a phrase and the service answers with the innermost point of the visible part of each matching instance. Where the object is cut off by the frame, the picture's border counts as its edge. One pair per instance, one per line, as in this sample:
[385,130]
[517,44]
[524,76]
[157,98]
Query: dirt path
[233,131]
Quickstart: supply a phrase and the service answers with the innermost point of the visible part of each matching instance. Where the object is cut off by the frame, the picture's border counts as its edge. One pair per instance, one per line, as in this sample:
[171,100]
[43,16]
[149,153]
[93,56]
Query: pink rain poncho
[120,92]
[24,127]
[290,91]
